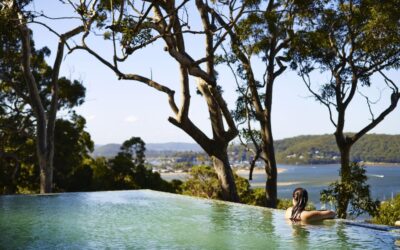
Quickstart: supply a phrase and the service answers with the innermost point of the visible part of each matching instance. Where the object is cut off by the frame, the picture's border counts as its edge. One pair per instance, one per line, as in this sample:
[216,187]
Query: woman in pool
[297,212]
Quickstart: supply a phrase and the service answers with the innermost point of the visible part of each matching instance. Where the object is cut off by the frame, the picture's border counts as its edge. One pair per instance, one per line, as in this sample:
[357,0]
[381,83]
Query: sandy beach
[257,171]
[241,172]
[280,184]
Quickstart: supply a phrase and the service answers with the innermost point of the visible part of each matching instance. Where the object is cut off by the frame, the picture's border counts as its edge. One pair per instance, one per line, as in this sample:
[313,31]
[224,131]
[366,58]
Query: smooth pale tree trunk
[218,152]
[44,122]
[45,116]
[225,175]
[46,171]
[272,175]
[166,21]
[262,105]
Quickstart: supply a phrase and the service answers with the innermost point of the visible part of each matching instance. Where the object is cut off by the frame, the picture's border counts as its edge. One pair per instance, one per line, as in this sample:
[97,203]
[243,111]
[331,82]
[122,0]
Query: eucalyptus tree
[133,25]
[16,18]
[354,44]
[265,32]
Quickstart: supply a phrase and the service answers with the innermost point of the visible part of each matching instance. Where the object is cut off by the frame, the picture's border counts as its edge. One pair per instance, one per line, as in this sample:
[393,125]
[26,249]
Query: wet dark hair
[300,195]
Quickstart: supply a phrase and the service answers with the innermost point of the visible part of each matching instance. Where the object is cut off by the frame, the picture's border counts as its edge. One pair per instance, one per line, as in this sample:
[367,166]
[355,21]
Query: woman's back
[310,216]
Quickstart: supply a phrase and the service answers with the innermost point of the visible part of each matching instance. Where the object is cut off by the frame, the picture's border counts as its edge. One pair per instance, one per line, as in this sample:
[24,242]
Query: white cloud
[90,117]
[130,119]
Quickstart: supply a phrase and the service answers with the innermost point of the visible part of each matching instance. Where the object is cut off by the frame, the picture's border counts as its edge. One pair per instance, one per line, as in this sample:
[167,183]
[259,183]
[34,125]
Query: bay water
[384,181]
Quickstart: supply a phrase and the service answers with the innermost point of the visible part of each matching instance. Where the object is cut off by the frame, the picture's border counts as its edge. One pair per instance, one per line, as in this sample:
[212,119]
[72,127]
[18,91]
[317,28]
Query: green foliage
[127,171]
[307,149]
[319,149]
[102,177]
[110,4]
[388,212]
[72,171]
[286,203]
[350,40]
[203,182]
[352,188]
[133,149]
[18,161]
[258,197]
[322,149]
[246,194]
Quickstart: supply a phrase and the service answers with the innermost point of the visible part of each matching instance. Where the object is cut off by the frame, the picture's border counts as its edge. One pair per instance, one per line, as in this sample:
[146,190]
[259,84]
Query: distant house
[291,156]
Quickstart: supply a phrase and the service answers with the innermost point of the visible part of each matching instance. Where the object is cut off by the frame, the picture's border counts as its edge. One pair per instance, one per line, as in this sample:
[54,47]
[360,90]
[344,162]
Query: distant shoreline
[258,171]
[381,164]
[365,163]
[241,172]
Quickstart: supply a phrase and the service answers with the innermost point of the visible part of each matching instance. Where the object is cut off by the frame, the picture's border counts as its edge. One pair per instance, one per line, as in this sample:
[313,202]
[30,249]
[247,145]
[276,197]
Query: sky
[116,110]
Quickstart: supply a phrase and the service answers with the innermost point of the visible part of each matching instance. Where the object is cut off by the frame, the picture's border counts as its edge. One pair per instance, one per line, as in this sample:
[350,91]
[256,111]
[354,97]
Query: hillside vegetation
[306,149]
[316,149]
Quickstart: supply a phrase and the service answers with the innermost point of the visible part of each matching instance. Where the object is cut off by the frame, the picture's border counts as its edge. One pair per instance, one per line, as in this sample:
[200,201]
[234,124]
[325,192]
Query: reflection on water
[153,220]
[301,236]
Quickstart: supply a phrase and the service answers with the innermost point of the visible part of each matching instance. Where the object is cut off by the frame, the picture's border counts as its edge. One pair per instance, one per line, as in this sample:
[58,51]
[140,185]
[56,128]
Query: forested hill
[307,149]
[152,149]
[316,149]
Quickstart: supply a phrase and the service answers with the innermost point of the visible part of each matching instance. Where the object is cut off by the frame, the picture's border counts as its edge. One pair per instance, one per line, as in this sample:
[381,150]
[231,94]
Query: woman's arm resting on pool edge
[317,215]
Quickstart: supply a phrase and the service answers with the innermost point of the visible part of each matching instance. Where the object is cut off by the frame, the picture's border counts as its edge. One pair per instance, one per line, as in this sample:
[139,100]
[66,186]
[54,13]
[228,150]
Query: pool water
[145,219]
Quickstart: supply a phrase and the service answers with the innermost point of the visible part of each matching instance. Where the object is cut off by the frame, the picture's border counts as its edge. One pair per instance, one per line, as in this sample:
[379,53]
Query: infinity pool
[153,220]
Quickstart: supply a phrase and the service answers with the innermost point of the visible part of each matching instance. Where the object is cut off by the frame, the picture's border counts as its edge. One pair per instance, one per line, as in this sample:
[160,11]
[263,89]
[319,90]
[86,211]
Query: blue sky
[117,110]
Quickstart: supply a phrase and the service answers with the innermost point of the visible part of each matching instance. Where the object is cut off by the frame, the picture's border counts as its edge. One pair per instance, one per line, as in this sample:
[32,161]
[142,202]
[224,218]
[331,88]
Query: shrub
[286,203]
[388,212]
[204,183]
[257,197]
[354,190]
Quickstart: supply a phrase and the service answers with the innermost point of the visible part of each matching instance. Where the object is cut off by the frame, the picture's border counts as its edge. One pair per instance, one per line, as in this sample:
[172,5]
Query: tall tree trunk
[218,151]
[271,193]
[344,196]
[270,165]
[218,148]
[45,120]
[46,172]
[225,174]
[266,134]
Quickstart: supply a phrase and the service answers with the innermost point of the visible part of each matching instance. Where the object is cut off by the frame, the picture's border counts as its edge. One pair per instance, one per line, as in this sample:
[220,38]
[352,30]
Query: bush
[388,212]
[286,203]
[353,191]
[257,197]
[204,183]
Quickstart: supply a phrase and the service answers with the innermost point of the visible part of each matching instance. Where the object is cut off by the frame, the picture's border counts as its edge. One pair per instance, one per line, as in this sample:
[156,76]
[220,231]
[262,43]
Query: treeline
[305,149]
[317,149]
[75,170]
[322,149]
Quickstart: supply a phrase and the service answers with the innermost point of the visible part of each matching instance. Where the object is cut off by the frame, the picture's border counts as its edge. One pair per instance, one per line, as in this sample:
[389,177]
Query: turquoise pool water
[146,219]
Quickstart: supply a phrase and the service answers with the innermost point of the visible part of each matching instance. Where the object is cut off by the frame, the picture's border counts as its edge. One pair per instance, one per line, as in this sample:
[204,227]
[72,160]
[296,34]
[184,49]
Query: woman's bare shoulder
[288,213]
[317,215]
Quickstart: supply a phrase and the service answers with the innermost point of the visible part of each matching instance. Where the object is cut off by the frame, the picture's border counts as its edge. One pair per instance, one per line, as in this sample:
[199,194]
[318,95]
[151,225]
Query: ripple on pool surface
[146,219]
